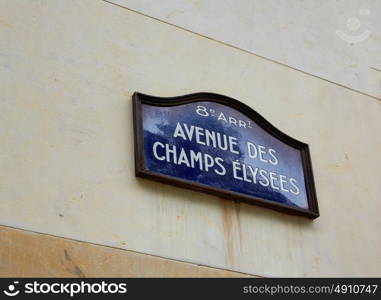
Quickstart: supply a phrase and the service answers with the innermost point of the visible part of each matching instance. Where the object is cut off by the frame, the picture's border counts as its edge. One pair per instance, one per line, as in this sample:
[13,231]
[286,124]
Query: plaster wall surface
[338,40]
[67,73]
[28,254]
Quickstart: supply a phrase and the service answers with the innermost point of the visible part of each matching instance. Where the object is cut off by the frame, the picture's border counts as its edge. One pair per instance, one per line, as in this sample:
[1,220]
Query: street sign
[218,145]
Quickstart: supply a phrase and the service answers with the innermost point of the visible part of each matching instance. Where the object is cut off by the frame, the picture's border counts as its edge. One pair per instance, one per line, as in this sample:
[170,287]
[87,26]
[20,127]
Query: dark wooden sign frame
[140,171]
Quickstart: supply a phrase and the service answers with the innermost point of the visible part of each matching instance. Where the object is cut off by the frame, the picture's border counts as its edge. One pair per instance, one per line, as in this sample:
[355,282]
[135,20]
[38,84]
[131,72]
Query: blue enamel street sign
[212,143]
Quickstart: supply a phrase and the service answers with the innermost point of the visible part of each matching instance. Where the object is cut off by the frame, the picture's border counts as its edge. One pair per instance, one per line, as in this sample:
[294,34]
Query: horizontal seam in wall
[243,50]
[134,251]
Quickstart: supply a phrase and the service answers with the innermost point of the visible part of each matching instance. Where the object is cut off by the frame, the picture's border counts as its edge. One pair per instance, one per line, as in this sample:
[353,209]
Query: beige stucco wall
[29,254]
[67,73]
[336,40]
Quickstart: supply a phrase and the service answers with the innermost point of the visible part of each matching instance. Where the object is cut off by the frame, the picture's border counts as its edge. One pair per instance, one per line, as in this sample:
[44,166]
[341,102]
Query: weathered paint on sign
[219,146]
